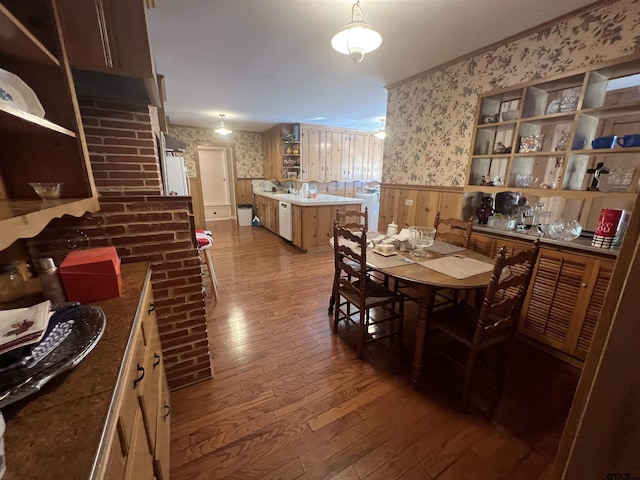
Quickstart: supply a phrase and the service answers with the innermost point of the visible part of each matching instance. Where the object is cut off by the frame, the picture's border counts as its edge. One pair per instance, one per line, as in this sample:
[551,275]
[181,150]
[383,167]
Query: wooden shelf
[18,43]
[15,120]
[26,218]
[548,192]
[552,119]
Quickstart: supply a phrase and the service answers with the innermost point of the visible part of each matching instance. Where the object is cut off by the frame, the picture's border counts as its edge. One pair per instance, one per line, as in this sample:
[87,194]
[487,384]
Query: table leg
[425,304]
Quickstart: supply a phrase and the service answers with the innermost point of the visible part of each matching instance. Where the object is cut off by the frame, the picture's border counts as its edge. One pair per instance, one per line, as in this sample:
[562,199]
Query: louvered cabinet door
[558,299]
[512,247]
[481,244]
[597,291]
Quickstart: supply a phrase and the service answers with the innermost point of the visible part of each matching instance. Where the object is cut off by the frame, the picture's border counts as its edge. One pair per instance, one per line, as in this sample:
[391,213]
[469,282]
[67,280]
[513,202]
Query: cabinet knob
[167,410]
[583,285]
[152,307]
[140,377]
[156,360]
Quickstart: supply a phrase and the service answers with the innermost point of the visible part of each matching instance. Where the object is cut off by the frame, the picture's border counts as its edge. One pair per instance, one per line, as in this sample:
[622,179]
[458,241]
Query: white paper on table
[444,248]
[458,267]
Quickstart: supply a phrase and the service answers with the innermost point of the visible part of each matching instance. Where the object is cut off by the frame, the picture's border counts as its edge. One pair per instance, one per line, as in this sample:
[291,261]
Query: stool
[212,272]
[204,242]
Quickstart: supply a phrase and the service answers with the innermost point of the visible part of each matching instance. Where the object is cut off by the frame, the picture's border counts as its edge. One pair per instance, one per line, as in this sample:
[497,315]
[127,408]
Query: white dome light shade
[357,37]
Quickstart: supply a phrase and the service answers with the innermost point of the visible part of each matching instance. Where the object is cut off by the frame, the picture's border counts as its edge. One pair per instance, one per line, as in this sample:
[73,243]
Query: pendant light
[357,37]
[222,130]
[381,133]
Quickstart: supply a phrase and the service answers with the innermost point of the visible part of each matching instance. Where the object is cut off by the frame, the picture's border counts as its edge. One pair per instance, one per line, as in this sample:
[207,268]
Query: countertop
[320,200]
[56,432]
[580,243]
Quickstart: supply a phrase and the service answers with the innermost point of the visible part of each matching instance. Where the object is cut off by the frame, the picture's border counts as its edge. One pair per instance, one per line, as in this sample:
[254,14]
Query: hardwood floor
[290,401]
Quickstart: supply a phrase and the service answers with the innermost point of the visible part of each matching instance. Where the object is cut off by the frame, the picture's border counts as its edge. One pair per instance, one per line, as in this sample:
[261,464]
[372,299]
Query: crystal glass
[619,179]
[420,238]
[525,181]
[47,191]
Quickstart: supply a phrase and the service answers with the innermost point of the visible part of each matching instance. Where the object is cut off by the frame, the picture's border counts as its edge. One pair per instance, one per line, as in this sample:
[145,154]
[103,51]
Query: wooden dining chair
[353,220]
[359,299]
[491,328]
[453,230]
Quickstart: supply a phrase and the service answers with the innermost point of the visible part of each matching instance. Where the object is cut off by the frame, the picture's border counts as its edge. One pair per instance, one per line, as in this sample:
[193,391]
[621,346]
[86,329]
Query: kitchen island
[311,218]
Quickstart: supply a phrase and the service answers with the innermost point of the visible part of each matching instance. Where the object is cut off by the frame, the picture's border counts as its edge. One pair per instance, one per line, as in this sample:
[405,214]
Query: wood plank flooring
[290,401]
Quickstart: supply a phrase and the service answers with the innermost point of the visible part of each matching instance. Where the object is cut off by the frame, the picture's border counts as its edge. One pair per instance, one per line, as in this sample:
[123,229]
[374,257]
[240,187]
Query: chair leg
[468,371]
[212,273]
[362,330]
[332,300]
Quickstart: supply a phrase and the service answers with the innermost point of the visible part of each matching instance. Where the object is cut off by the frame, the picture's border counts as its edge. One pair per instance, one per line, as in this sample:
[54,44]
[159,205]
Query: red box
[91,275]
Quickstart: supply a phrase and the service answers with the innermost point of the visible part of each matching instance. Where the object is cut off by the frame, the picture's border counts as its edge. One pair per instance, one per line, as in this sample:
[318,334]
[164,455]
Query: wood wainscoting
[409,205]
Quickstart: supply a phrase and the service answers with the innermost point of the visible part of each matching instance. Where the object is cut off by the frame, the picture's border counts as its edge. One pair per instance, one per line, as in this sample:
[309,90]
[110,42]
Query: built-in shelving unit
[49,149]
[544,129]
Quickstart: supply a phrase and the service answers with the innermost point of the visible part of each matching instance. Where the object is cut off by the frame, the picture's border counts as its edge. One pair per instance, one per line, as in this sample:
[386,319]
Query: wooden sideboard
[109,417]
[567,290]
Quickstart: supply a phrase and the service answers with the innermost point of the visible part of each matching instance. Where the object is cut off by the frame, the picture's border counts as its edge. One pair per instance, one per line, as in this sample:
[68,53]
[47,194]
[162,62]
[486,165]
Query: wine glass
[420,238]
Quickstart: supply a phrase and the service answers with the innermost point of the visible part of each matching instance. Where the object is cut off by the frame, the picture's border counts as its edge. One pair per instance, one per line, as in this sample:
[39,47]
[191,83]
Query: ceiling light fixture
[381,133]
[222,130]
[357,37]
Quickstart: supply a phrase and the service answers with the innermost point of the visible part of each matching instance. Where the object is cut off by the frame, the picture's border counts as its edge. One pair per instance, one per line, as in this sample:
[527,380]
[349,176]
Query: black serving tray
[19,382]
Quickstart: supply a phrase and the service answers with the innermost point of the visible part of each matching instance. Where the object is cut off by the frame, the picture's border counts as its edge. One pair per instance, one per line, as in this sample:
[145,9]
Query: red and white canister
[607,227]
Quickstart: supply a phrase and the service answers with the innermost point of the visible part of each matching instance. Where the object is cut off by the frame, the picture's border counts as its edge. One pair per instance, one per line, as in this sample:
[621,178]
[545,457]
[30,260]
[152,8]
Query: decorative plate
[554,106]
[531,143]
[17,94]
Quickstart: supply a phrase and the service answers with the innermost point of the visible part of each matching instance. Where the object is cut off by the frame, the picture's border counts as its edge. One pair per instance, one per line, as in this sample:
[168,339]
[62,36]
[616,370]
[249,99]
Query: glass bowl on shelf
[47,191]
[563,229]
[524,180]
[509,115]
[502,223]
[619,179]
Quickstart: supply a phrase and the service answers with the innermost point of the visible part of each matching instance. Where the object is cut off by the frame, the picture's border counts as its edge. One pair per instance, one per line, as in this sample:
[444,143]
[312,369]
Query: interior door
[213,170]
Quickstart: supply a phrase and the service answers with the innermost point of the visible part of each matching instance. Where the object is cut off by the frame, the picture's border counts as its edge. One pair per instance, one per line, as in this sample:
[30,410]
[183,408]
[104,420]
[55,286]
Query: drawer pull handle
[139,379]
[156,360]
[168,411]
[152,307]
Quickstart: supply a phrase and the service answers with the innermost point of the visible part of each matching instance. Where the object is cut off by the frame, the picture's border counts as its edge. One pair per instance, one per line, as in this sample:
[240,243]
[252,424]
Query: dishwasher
[285,228]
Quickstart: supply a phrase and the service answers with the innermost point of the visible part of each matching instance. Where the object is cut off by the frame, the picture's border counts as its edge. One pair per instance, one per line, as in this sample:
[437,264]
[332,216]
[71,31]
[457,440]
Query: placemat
[379,261]
[444,248]
[458,267]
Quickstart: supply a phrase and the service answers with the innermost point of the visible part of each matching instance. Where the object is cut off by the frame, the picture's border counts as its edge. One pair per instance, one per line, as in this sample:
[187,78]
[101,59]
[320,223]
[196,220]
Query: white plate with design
[17,94]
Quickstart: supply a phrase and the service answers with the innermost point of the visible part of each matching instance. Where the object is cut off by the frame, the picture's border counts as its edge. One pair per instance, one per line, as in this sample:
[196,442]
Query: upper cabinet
[110,36]
[36,148]
[340,154]
[539,137]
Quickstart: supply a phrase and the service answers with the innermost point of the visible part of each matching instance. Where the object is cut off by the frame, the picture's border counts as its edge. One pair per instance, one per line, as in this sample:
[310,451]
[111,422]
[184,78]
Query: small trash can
[245,214]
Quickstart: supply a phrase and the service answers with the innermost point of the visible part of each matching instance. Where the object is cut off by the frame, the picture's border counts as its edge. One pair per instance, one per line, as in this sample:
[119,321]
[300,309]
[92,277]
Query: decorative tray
[62,348]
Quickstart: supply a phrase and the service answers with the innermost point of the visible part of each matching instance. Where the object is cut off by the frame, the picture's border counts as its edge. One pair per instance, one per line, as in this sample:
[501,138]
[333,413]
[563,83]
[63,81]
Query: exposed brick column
[122,147]
[143,225]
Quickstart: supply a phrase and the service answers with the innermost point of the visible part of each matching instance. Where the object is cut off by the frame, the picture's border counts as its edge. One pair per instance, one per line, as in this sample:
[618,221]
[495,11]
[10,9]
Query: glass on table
[421,238]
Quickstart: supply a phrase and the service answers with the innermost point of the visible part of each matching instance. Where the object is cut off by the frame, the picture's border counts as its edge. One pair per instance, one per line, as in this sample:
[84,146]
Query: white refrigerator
[177,179]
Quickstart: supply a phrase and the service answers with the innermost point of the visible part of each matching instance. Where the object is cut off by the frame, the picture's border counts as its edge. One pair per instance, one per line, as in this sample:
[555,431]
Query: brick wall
[122,147]
[143,226]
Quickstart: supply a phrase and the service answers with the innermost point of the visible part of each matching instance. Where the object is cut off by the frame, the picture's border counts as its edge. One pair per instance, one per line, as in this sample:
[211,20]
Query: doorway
[216,174]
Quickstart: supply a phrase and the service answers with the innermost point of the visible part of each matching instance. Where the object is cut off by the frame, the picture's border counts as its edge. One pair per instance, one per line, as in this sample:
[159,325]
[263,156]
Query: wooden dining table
[426,281]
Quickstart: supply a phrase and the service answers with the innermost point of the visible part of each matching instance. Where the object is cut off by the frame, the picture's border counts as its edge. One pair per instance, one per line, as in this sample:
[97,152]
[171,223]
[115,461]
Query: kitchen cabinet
[272,152]
[324,153]
[142,423]
[564,301]
[49,149]
[536,138]
[267,211]
[110,36]
[340,154]
[565,296]
[112,410]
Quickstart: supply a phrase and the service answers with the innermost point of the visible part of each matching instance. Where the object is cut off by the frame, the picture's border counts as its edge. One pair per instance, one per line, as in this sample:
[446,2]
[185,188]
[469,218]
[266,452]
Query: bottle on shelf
[51,283]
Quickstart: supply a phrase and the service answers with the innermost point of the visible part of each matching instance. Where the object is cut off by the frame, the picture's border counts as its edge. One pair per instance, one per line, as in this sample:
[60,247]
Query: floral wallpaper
[248,148]
[430,119]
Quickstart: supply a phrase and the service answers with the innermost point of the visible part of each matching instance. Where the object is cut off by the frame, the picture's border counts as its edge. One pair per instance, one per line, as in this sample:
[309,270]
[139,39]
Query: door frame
[230,154]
